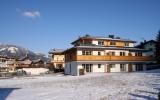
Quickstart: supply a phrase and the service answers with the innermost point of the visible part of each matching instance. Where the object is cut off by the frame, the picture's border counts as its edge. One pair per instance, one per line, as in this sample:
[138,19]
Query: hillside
[20,52]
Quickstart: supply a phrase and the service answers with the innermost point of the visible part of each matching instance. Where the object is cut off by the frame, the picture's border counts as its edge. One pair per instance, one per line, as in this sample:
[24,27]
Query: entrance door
[130,67]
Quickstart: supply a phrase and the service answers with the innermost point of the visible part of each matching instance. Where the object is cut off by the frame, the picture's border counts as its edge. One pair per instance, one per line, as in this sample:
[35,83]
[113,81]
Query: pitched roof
[146,42]
[54,51]
[103,38]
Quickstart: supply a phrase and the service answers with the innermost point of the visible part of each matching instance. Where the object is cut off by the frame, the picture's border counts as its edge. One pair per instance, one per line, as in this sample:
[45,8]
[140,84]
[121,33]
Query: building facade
[7,64]
[104,54]
[58,59]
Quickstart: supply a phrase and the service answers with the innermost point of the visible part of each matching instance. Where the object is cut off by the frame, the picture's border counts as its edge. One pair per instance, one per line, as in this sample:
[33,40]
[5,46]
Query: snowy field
[97,86]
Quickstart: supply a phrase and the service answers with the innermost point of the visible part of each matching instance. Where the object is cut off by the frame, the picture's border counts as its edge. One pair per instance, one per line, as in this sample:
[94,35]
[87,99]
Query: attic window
[100,42]
[126,44]
[112,43]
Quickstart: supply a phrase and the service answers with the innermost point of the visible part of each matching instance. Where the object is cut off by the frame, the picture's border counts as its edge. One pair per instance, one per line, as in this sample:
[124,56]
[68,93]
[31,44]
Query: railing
[57,61]
[112,58]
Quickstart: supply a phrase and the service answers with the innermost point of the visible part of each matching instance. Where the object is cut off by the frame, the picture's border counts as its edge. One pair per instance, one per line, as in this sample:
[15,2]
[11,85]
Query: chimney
[111,36]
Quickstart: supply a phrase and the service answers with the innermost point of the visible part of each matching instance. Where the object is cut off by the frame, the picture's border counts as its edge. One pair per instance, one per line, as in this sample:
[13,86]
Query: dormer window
[99,53]
[86,52]
[113,43]
[101,43]
[126,44]
[138,54]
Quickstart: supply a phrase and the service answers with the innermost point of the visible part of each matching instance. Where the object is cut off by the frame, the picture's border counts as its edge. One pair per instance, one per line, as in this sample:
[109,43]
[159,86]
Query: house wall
[117,68]
[35,71]
[117,52]
[118,43]
[71,68]
[95,42]
[134,67]
[96,69]
[58,58]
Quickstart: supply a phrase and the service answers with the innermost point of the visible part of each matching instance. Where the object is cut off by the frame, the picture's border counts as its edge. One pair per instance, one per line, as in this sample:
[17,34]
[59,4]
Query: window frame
[113,43]
[99,65]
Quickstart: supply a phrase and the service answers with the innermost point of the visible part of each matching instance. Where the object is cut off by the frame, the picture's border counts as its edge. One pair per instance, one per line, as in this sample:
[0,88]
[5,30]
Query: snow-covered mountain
[20,52]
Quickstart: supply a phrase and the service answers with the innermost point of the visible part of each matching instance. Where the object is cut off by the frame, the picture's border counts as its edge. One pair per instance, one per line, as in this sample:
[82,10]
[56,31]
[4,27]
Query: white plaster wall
[96,69]
[116,69]
[35,71]
[58,57]
[133,53]
[133,67]
[95,42]
[117,52]
[95,52]
[79,52]
[131,44]
[126,67]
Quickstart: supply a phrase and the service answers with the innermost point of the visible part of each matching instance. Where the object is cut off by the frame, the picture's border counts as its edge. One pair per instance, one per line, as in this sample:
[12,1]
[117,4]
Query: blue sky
[40,25]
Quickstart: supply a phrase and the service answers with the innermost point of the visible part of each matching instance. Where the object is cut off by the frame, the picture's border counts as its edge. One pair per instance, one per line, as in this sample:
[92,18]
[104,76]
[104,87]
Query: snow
[94,86]
[2,49]
[12,49]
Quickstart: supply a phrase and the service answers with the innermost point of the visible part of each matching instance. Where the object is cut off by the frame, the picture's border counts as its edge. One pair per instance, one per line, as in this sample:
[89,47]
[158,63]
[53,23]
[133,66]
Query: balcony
[85,44]
[112,58]
[57,61]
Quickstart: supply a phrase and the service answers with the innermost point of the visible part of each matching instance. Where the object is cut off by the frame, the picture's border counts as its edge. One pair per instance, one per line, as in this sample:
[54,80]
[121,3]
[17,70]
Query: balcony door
[87,67]
[123,67]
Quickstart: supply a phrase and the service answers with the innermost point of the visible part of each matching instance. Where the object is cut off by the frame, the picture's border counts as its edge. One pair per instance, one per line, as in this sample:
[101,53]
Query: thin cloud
[18,10]
[31,14]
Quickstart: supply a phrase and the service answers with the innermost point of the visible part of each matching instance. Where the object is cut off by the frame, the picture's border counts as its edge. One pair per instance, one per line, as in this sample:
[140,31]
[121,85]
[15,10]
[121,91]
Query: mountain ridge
[10,50]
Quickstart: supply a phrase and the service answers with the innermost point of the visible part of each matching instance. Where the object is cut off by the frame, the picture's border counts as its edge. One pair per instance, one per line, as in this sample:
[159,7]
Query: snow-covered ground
[97,86]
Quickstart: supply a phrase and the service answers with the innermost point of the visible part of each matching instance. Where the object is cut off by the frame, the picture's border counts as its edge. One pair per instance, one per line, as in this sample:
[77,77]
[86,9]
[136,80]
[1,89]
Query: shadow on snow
[5,92]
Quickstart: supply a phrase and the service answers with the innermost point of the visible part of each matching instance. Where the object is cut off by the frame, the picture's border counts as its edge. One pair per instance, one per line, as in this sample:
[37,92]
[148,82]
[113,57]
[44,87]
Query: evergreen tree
[158,36]
[158,46]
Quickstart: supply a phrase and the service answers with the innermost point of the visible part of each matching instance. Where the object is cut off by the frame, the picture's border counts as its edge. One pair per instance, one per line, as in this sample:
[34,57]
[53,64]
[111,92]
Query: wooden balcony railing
[57,61]
[113,58]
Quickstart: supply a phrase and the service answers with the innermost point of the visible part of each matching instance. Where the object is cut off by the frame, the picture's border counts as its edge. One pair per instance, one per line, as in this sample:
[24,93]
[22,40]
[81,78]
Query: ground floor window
[112,66]
[87,67]
[139,67]
[99,65]
[123,67]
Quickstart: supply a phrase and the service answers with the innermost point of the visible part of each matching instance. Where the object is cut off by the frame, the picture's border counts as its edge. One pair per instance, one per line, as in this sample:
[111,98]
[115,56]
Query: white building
[104,54]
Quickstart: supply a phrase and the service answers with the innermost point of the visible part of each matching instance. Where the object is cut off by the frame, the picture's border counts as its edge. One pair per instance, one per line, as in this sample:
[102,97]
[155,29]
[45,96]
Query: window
[126,44]
[111,53]
[87,67]
[122,67]
[122,53]
[112,43]
[86,52]
[99,65]
[113,65]
[99,53]
[138,53]
[139,67]
[101,43]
